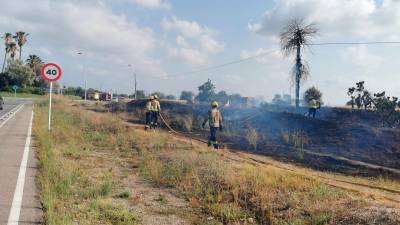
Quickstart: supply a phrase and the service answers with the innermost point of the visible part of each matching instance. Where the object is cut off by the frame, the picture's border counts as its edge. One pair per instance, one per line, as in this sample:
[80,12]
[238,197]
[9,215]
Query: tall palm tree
[13,48]
[7,40]
[20,38]
[294,37]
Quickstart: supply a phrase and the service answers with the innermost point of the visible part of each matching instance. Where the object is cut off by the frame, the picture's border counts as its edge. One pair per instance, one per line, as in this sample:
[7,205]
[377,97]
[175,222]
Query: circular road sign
[51,72]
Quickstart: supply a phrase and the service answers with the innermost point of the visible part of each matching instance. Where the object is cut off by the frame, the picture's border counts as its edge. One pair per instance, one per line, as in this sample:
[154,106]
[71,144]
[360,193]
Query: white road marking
[13,218]
[10,115]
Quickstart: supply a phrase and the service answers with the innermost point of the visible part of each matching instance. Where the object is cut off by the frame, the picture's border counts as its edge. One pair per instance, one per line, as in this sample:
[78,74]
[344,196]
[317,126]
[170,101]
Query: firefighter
[155,110]
[214,119]
[359,101]
[147,110]
[313,105]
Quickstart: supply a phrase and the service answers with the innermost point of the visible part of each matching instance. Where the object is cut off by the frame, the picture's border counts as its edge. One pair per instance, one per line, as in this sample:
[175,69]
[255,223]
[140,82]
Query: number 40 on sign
[51,72]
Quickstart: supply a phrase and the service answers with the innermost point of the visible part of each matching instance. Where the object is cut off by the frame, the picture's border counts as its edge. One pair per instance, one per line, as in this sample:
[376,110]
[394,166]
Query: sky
[165,40]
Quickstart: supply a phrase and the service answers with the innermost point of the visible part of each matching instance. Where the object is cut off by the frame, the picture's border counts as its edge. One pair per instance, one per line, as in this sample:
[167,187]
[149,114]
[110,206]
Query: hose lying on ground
[179,133]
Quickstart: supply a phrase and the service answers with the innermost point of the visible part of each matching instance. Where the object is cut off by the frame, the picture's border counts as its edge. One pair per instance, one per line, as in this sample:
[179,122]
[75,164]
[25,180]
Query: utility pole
[135,82]
[85,91]
[84,77]
[135,86]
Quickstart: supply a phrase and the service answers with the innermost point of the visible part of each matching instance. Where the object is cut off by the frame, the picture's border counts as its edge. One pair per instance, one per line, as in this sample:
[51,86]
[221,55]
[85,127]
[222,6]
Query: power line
[225,64]
[272,51]
[356,43]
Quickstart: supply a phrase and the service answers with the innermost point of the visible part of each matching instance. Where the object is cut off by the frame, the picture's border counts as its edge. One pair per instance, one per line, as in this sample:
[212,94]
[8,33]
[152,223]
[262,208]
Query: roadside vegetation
[86,159]
[72,193]
[20,95]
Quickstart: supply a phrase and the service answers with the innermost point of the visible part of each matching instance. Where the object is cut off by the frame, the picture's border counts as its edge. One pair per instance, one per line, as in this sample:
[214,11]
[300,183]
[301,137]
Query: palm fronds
[295,34]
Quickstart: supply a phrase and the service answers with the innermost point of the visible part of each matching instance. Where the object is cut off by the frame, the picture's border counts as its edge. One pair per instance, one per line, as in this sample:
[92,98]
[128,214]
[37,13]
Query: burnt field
[339,140]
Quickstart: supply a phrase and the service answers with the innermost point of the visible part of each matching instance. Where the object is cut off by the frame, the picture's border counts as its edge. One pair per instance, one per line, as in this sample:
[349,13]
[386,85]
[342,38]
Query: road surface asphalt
[18,173]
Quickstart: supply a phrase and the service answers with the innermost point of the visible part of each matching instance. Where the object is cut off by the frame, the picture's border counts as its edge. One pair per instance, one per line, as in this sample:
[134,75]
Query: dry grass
[73,189]
[234,192]
[252,137]
[69,193]
[297,138]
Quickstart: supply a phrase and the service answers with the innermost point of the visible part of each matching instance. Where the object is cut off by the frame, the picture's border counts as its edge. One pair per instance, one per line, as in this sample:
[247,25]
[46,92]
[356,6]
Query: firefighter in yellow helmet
[313,105]
[155,110]
[147,110]
[214,119]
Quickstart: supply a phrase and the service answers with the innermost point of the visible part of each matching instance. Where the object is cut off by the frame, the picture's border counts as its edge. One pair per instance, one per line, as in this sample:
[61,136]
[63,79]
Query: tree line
[207,93]
[16,71]
[385,106]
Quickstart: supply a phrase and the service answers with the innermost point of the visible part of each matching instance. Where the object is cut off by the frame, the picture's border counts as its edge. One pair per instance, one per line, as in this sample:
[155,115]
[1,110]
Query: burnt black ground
[353,134]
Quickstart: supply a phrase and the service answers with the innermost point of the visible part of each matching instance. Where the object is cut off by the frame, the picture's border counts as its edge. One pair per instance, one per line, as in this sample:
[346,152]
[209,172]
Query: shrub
[252,137]
[124,194]
[312,93]
[297,138]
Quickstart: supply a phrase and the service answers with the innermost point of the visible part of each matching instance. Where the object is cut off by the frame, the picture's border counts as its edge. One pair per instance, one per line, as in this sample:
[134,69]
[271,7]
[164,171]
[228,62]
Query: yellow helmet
[214,104]
[155,97]
[151,97]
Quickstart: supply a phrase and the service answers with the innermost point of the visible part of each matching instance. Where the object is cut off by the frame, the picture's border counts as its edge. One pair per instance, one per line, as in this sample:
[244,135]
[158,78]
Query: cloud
[268,55]
[362,19]
[148,4]
[153,4]
[362,59]
[210,44]
[107,39]
[45,51]
[187,28]
[189,55]
[194,43]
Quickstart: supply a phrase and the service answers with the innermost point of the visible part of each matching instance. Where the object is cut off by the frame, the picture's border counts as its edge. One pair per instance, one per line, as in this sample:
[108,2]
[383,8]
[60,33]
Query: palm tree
[7,40]
[34,61]
[20,38]
[294,37]
[13,48]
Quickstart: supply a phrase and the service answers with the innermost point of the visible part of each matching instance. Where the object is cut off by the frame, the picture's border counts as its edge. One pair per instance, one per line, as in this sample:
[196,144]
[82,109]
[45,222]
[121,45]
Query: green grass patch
[20,95]
[124,194]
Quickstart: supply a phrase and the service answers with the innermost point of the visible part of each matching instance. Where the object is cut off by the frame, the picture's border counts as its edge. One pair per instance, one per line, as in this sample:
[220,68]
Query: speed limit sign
[51,72]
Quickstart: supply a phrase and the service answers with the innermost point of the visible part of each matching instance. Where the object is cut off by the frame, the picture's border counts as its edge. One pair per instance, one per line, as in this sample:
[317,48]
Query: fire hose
[179,133]
[191,136]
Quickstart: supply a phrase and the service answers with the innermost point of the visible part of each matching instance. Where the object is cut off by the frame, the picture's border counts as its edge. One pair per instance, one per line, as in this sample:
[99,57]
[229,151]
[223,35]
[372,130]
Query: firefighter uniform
[155,109]
[313,105]
[214,120]
[147,110]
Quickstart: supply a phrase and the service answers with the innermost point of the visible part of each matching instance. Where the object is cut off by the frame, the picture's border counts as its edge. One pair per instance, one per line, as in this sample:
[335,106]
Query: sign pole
[51,87]
[51,72]
[15,87]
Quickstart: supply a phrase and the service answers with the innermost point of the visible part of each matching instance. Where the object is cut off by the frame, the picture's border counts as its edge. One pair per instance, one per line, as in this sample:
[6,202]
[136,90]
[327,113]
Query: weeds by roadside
[69,194]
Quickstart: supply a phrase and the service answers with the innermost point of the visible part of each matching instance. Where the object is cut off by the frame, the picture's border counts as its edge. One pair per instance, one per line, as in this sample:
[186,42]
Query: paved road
[8,106]
[18,167]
